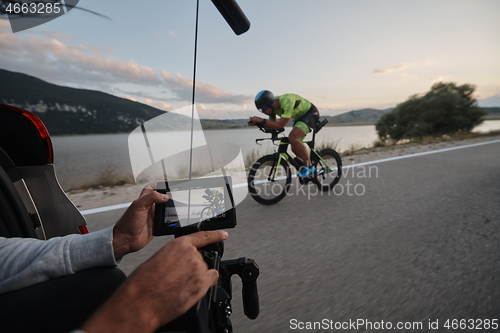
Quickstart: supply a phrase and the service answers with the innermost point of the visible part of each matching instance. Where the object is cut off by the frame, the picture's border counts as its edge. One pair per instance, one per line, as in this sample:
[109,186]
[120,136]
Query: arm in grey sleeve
[27,261]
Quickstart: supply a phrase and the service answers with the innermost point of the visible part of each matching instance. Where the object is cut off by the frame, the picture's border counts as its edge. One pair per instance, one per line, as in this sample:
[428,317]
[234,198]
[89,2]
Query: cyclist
[289,106]
[216,197]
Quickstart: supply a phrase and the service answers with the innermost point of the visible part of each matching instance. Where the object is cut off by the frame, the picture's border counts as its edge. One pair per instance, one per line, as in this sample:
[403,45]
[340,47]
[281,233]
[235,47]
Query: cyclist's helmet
[264,100]
[207,191]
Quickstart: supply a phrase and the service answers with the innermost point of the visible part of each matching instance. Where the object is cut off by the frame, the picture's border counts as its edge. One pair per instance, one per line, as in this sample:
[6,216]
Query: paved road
[412,240]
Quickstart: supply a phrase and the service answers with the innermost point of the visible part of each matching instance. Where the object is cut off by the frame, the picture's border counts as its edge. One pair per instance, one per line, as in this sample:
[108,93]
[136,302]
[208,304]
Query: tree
[446,109]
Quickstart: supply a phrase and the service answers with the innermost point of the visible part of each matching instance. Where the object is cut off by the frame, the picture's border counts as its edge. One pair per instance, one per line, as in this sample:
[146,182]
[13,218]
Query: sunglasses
[264,108]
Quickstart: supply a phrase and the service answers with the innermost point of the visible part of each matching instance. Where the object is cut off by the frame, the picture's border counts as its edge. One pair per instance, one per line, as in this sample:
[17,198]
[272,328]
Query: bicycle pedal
[304,180]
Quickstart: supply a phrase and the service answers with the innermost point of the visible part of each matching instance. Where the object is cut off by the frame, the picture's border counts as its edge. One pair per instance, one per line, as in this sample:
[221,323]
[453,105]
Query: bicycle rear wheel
[269,182]
[328,169]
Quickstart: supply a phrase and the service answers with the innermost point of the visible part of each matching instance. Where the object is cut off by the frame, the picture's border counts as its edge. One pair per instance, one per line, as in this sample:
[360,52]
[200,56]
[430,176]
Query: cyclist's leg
[217,204]
[298,133]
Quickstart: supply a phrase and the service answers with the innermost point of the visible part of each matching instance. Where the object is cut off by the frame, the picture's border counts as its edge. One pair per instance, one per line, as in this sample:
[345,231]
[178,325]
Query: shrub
[445,110]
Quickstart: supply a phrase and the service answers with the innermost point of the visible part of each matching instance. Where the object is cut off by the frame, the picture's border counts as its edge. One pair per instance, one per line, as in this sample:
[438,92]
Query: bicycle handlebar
[274,133]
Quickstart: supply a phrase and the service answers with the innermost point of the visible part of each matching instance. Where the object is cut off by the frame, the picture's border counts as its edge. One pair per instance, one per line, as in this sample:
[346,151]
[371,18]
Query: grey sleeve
[27,261]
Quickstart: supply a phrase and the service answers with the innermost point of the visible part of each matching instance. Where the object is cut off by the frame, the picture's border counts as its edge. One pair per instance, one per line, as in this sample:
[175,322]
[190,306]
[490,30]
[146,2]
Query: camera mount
[211,314]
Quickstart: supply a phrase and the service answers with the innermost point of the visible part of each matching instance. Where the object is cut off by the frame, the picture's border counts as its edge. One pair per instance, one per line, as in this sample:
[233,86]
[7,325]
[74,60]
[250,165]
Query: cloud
[46,51]
[409,76]
[205,92]
[52,34]
[222,112]
[438,79]
[47,56]
[162,105]
[393,68]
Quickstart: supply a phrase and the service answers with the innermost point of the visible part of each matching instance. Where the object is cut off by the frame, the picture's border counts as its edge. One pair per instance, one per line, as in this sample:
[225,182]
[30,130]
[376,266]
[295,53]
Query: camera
[208,201]
[207,204]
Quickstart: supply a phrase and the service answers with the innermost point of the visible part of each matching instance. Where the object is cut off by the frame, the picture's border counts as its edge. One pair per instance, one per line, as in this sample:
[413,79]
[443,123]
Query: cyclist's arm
[277,124]
[271,123]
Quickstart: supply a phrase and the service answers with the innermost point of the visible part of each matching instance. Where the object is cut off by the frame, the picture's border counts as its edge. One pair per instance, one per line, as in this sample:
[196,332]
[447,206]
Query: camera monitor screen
[206,200]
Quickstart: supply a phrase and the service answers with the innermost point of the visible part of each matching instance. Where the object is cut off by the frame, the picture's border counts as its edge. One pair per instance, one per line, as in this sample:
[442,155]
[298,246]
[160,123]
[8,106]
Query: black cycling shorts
[311,118]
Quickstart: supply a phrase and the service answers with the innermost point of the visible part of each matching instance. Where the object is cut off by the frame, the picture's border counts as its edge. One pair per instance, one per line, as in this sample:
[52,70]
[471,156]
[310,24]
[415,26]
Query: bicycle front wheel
[268,181]
[328,169]
[206,213]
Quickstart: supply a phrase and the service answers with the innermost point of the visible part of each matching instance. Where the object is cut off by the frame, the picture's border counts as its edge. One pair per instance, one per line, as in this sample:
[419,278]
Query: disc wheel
[328,169]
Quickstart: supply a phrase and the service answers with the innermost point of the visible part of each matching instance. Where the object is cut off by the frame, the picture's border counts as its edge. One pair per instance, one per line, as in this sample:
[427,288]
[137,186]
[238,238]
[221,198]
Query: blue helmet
[264,100]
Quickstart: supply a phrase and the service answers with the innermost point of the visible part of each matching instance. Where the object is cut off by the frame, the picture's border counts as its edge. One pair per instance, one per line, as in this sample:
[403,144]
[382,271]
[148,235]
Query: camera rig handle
[248,271]
[211,314]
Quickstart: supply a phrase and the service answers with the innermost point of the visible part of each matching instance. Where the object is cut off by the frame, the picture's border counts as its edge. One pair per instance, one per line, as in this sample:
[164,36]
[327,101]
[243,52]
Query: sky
[340,55]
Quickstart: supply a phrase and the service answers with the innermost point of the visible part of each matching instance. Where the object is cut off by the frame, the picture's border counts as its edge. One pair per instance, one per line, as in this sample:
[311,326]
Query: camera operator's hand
[161,289]
[134,230]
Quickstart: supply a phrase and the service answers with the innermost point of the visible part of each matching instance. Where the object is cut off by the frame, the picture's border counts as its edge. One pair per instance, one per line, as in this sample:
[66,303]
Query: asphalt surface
[407,242]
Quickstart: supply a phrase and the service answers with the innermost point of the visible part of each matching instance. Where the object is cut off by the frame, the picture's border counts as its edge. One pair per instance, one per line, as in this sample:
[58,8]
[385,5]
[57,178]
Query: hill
[223,123]
[363,116]
[67,111]
[492,113]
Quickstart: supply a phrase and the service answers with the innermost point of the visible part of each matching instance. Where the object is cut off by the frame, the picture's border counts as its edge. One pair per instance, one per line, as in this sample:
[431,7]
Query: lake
[85,159]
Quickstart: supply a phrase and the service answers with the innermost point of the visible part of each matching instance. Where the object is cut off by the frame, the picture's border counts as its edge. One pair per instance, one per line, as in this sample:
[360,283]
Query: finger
[146,200]
[149,188]
[212,277]
[202,238]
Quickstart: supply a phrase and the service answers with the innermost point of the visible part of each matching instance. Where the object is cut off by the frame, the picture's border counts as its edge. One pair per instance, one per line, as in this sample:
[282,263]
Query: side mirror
[233,15]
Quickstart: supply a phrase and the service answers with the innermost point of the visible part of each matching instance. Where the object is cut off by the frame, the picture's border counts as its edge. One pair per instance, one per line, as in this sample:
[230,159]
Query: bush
[446,109]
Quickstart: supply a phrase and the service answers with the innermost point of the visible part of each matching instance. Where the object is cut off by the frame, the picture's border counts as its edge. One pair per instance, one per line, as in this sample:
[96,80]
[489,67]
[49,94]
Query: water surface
[85,159]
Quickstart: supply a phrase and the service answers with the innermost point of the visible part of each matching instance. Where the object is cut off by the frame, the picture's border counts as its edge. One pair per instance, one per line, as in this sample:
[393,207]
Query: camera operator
[55,285]
[161,289]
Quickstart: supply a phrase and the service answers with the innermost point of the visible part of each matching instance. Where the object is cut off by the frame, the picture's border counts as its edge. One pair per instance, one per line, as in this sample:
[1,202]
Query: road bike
[270,177]
[211,210]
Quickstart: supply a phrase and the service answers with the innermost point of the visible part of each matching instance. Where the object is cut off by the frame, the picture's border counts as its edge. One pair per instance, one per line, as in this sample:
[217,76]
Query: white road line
[419,154]
[105,208]
[125,205]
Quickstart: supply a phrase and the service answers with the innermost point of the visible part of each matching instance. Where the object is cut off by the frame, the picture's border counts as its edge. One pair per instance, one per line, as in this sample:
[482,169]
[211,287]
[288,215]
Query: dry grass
[254,155]
[391,144]
[327,144]
[107,176]
[453,137]
[434,139]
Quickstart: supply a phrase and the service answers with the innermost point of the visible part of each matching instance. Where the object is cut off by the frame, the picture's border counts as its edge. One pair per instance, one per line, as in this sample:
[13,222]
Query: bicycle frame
[282,153]
[273,167]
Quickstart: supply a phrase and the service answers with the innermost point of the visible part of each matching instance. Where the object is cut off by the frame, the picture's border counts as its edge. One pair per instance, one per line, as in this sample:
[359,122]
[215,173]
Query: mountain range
[67,111]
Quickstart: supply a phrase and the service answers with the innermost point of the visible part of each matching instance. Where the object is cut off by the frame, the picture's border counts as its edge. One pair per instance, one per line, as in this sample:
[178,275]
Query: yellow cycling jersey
[292,106]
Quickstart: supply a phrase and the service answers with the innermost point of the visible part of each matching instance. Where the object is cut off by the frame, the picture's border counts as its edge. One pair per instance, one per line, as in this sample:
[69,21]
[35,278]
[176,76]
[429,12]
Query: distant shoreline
[223,129]
[488,117]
